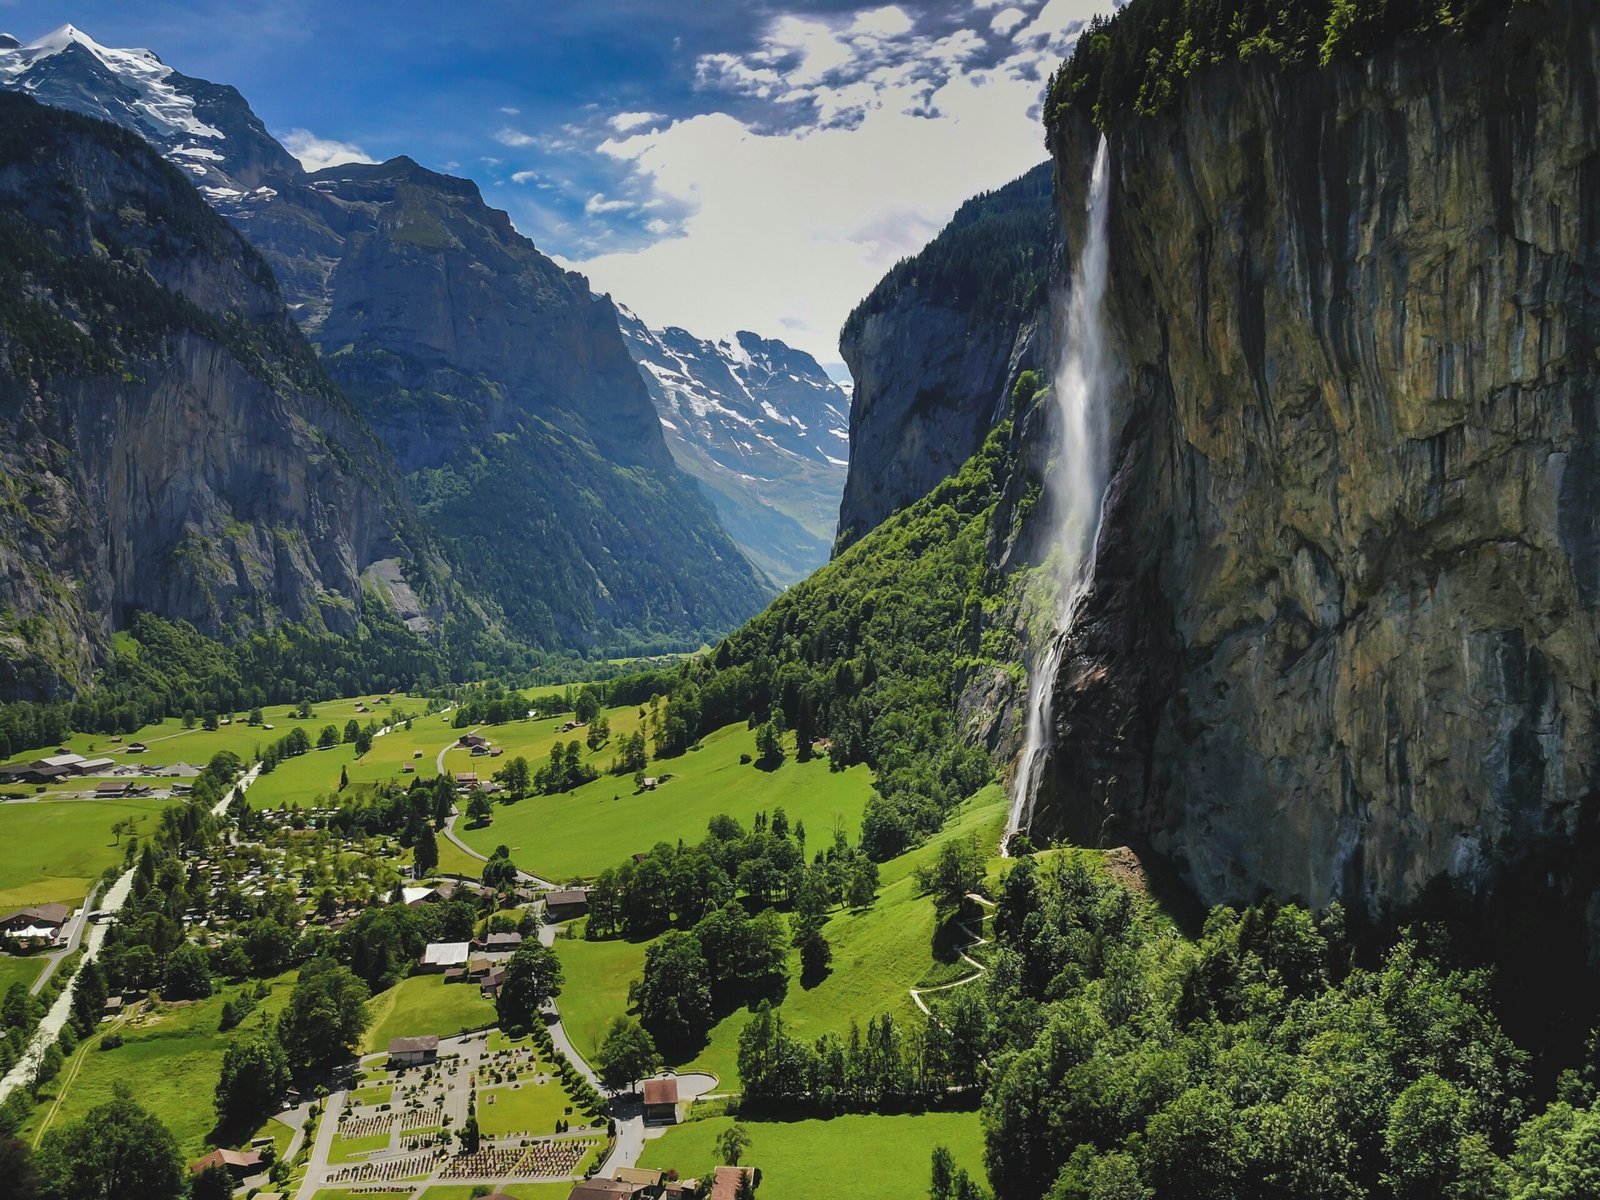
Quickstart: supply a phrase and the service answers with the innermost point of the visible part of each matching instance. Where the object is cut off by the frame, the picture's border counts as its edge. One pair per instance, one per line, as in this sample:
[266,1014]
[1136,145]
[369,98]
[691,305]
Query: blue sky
[712,164]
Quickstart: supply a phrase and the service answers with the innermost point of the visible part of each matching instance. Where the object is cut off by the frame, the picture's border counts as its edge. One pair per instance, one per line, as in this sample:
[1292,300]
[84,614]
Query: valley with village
[892,599]
[144,947]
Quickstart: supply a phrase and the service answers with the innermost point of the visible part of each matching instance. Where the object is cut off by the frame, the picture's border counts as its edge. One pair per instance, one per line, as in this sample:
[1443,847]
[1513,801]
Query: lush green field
[14,969]
[343,1149]
[300,780]
[886,1158]
[453,860]
[595,826]
[421,1005]
[878,954]
[532,1108]
[170,742]
[56,849]
[170,1062]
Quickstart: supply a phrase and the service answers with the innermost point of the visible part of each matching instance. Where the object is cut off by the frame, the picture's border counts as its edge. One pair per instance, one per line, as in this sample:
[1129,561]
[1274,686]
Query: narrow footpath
[977,967]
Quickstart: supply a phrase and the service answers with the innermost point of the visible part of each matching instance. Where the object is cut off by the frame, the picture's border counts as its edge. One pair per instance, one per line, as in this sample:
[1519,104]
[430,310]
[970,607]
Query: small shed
[414,1051]
[661,1101]
[565,903]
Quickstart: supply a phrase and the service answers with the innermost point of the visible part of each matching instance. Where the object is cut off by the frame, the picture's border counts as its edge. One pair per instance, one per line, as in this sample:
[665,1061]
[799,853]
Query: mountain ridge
[758,424]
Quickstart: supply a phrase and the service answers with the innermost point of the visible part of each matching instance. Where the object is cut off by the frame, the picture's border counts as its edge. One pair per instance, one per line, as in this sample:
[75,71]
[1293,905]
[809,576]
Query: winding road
[450,825]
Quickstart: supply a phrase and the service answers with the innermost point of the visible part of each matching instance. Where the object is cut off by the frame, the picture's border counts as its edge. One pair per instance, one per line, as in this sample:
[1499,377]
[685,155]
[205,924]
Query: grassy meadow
[424,1004]
[879,953]
[15,969]
[56,849]
[170,742]
[886,1158]
[170,1061]
[586,830]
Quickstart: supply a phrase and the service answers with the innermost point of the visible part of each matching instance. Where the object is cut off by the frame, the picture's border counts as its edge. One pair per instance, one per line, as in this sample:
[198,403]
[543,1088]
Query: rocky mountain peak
[761,426]
[206,129]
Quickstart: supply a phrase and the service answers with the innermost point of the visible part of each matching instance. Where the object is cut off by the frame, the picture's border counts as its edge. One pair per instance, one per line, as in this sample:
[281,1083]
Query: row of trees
[1137,59]
[679,885]
[888,1067]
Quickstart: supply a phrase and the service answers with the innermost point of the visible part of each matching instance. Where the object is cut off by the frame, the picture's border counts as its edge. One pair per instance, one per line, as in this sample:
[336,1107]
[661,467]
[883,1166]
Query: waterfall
[1076,481]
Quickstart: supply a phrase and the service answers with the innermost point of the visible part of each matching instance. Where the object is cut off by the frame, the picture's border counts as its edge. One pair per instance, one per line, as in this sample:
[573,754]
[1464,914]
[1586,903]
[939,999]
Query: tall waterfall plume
[1076,482]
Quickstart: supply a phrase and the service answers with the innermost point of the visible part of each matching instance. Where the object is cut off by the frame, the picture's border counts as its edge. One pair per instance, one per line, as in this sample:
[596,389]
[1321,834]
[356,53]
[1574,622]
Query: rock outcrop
[168,441]
[935,348]
[1344,641]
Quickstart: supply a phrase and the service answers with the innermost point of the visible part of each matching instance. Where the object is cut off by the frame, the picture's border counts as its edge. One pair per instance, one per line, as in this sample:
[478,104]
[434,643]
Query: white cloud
[1007,19]
[515,137]
[598,204]
[871,136]
[524,176]
[315,153]
[510,111]
[625,122]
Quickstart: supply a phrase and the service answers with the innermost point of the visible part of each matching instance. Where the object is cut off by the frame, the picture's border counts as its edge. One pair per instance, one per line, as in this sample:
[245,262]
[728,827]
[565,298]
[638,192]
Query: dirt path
[977,967]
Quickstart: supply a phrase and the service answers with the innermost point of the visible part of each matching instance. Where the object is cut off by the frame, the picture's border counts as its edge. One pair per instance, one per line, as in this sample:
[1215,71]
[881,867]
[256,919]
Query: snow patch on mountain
[163,109]
[758,423]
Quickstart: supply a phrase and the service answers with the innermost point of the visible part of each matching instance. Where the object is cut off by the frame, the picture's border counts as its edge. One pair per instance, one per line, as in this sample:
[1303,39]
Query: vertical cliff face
[168,441]
[936,346]
[1344,637]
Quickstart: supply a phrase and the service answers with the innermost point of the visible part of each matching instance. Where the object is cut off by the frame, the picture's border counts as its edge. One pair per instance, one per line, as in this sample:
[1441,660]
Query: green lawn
[886,1158]
[19,970]
[300,780]
[453,860]
[595,826]
[424,1004]
[170,1063]
[345,1149]
[531,1108]
[878,954]
[56,849]
[169,742]
[381,1093]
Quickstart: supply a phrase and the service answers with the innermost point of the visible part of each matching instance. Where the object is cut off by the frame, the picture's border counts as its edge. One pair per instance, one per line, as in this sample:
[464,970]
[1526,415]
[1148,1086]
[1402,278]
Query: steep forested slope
[168,441]
[936,346]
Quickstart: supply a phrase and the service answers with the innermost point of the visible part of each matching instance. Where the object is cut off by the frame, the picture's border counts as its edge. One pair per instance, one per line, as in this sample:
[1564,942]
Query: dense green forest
[1137,59]
[993,257]
[863,659]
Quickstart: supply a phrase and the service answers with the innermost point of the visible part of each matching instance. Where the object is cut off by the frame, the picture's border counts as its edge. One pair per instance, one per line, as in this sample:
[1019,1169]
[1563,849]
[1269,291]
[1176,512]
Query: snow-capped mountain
[762,427]
[205,128]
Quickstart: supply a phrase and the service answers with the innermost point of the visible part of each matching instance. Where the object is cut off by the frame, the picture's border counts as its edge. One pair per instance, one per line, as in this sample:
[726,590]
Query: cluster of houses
[65,766]
[37,927]
[55,767]
[479,746]
[480,962]
[641,1183]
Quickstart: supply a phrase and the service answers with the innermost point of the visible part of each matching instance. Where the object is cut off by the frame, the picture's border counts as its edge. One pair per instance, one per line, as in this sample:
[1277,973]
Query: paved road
[327,1126]
[56,1019]
[53,960]
[450,825]
[220,808]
